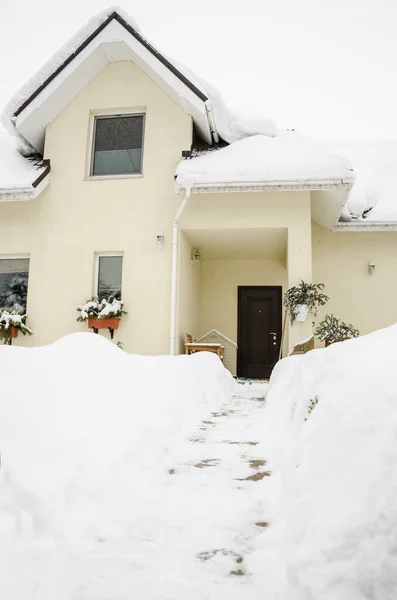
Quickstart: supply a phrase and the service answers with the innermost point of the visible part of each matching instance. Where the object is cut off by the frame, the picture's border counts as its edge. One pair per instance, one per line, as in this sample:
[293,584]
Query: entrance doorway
[259,330]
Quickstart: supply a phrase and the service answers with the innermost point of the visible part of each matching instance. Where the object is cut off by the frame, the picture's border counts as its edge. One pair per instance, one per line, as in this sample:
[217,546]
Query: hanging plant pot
[111,323]
[301,312]
[327,343]
[13,331]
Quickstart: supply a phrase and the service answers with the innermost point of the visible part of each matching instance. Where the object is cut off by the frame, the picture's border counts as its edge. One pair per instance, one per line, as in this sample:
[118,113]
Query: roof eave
[266,186]
[346,226]
[91,37]
[30,192]
[197,98]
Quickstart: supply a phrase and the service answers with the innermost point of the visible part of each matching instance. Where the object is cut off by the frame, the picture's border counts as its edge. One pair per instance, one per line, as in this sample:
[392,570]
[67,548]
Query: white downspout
[174,269]
[211,120]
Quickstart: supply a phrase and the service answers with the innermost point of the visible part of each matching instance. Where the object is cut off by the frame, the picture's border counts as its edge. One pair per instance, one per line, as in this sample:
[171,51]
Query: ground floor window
[109,275]
[14,276]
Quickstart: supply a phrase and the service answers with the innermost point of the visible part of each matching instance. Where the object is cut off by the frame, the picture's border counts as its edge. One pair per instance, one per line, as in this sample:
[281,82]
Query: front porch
[231,279]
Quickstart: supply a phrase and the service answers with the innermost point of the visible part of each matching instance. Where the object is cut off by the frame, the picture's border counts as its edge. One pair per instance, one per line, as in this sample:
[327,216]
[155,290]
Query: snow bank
[375,166]
[84,429]
[334,481]
[259,158]
[16,172]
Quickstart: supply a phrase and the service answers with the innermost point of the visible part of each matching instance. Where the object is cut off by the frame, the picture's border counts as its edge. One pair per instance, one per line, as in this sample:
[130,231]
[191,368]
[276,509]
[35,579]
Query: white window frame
[99,255]
[18,257]
[138,112]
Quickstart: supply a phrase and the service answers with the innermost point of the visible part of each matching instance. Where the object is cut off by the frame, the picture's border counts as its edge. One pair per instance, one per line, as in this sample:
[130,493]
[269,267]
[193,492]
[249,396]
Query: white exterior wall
[219,290]
[76,217]
[188,304]
[340,261]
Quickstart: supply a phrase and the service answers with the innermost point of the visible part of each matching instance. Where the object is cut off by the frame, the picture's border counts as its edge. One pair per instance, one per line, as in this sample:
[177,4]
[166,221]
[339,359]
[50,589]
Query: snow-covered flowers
[107,308]
[13,318]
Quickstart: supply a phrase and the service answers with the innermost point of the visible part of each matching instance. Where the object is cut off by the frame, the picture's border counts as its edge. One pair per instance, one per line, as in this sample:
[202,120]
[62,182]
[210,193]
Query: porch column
[299,263]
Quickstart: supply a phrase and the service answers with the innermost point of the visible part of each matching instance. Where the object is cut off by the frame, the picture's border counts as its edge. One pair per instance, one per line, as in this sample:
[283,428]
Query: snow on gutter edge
[259,186]
[27,193]
[365,226]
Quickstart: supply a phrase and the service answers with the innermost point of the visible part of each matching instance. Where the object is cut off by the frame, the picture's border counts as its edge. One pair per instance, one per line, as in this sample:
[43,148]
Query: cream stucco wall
[188,303]
[75,217]
[219,290]
[340,260]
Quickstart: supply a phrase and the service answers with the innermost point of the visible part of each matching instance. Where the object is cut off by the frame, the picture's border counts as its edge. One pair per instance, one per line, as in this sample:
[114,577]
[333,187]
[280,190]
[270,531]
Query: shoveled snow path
[195,526]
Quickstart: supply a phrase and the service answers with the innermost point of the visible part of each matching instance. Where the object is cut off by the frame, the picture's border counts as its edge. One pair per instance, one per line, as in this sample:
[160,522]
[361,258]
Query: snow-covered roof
[19,176]
[258,151]
[113,26]
[110,36]
[286,158]
[66,52]
[374,195]
[232,125]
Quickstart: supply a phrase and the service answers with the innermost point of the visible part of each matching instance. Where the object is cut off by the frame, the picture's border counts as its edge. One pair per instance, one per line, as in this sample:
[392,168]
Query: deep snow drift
[84,429]
[334,483]
[89,510]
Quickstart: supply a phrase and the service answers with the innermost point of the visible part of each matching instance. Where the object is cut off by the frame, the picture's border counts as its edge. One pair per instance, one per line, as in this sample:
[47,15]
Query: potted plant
[331,330]
[12,322]
[102,314]
[302,298]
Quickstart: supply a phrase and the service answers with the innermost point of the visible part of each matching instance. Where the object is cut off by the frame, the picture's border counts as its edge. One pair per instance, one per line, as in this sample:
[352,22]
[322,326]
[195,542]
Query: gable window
[109,275]
[14,276]
[117,146]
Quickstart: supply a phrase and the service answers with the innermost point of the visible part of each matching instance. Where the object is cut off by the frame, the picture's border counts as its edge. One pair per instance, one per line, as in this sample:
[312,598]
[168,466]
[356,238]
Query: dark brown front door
[259,330]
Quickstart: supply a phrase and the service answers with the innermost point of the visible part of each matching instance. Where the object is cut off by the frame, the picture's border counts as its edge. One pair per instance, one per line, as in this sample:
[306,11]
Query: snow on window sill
[124,176]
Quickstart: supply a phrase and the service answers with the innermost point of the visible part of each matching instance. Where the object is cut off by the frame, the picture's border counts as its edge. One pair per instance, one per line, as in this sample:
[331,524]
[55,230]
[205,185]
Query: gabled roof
[112,35]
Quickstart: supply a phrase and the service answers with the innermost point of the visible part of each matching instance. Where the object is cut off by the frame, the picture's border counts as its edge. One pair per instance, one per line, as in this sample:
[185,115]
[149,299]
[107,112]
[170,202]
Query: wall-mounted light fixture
[196,256]
[160,240]
[371,267]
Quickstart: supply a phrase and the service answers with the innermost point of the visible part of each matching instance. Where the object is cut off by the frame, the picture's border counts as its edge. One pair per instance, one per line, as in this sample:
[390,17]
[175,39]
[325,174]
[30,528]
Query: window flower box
[13,331]
[109,323]
[102,314]
[11,323]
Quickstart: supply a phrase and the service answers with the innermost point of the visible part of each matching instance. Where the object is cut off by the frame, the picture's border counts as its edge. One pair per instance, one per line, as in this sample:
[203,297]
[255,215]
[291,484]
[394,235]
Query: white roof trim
[26,193]
[114,42]
[219,334]
[365,226]
[266,186]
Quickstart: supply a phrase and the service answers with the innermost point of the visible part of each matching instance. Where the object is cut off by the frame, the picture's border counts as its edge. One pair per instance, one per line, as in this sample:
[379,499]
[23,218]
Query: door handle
[274,334]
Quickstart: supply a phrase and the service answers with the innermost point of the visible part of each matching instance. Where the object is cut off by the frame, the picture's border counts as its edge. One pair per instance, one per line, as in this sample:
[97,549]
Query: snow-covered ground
[86,433]
[162,478]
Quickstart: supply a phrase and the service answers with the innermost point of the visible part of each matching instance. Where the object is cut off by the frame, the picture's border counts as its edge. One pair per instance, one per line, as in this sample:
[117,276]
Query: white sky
[326,68]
